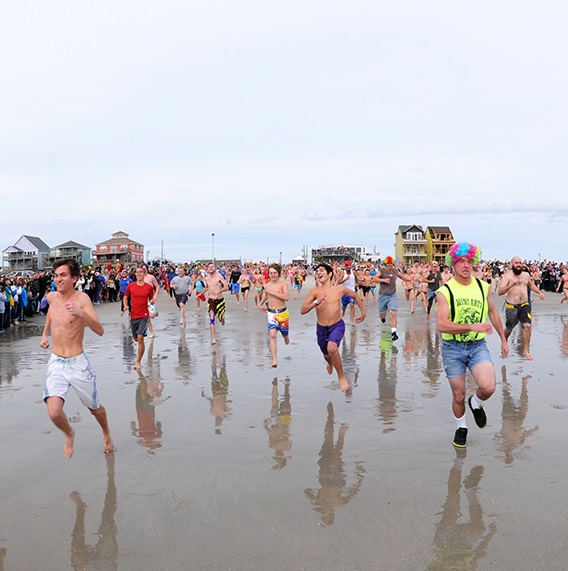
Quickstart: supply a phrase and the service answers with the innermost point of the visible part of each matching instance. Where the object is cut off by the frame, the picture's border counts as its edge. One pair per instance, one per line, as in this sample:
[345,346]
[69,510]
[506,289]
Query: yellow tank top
[467,304]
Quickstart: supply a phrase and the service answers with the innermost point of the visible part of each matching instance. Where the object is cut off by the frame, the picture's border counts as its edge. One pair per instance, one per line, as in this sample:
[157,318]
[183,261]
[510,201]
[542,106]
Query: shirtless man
[326,298]
[275,295]
[138,297]
[215,285]
[153,311]
[516,284]
[69,312]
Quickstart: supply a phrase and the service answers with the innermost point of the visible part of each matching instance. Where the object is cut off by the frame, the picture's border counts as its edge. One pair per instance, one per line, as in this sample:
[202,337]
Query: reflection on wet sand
[460,543]
[433,362]
[148,431]
[183,368]
[512,435]
[278,425]
[219,390]
[102,556]
[333,491]
[564,344]
[386,402]
[349,358]
[128,353]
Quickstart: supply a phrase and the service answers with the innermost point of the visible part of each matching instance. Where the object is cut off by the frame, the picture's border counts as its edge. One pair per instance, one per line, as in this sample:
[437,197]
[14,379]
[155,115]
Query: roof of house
[72,244]
[406,228]
[37,242]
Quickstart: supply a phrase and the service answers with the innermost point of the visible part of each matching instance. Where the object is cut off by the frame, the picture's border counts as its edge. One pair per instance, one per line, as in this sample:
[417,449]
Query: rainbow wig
[463,250]
[389,260]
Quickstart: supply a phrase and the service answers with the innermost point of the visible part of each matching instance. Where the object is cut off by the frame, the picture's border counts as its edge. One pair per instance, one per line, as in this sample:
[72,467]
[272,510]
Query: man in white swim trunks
[69,312]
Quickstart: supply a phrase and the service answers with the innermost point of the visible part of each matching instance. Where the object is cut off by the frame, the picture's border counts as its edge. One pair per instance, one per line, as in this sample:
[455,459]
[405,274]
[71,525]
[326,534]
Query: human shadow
[103,555]
[512,436]
[334,491]
[278,425]
[218,401]
[461,537]
[386,381]
[148,430]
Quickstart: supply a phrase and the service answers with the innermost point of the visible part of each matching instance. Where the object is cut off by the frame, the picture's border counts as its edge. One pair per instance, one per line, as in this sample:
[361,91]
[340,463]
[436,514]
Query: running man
[69,312]
[274,296]
[182,286]
[516,283]
[346,278]
[152,309]
[215,285]
[138,297]
[464,304]
[386,277]
[326,298]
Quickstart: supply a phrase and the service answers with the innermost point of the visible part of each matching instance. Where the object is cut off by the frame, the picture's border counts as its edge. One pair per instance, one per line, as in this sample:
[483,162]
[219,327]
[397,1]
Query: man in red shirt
[139,294]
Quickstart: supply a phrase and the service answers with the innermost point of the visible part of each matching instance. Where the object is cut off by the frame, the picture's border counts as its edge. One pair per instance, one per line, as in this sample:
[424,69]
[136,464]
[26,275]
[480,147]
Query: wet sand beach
[223,463]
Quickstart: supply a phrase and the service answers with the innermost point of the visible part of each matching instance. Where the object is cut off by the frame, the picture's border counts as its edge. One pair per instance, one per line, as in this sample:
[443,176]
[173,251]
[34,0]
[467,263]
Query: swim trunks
[182,298]
[139,326]
[279,319]
[76,372]
[517,313]
[346,300]
[333,333]
[216,308]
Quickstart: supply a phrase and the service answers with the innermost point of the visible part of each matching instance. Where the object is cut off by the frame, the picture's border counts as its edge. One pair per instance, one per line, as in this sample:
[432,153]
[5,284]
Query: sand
[224,463]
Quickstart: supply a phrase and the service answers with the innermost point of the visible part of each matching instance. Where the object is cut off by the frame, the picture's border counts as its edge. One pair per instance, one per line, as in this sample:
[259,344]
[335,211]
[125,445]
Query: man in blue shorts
[386,278]
[330,328]
[346,278]
[463,308]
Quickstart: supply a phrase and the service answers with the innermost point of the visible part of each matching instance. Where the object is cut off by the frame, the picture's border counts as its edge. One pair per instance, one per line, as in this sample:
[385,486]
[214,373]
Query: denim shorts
[387,302]
[459,356]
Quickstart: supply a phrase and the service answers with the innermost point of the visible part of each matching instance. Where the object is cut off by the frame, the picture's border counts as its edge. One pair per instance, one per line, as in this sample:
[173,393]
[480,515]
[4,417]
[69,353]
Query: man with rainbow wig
[463,307]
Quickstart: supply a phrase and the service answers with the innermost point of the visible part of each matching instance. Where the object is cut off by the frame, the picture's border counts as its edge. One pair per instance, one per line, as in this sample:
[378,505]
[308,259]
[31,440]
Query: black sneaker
[383,319]
[460,438]
[478,414]
[394,336]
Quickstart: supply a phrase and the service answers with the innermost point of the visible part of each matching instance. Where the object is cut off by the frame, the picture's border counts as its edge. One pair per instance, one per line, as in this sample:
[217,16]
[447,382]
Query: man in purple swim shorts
[330,328]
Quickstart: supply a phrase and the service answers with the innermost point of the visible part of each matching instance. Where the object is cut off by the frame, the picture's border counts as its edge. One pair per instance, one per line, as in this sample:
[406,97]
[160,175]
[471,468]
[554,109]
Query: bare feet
[274,364]
[343,384]
[286,340]
[528,355]
[68,447]
[108,444]
[137,365]
[329,368]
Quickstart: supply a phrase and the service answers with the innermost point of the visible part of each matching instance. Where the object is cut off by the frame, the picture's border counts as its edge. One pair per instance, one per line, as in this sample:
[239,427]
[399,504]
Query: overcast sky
[278,125]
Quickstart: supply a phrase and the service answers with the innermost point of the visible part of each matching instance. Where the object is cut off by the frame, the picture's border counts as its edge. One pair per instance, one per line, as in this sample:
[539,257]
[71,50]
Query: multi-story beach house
[72,250]
[28,253]
[121,249]
[439,240]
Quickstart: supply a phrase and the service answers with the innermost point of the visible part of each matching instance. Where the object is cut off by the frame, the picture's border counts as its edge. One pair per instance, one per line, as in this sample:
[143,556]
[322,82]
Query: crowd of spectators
[22,296]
